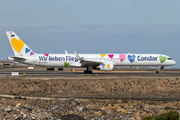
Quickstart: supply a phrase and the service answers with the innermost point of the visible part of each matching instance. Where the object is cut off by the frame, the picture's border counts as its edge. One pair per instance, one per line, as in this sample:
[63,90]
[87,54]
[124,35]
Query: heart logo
[17,44]
[102,55]
[122,57]
[103,65]
[66,64]
[46,55]
[108,65]
[162,59]
[111,55]
[27,50]
[32,53]
[131,58]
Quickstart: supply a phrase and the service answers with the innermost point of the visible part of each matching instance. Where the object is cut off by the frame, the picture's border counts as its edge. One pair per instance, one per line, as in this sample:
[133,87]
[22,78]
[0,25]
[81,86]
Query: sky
[93,26]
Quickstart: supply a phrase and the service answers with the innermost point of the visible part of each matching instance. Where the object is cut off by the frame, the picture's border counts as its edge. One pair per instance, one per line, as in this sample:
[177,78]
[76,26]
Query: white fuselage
[69,60]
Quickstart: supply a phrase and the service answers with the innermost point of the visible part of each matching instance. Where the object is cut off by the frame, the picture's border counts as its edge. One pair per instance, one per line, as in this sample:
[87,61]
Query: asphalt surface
[42,71]
[31,72]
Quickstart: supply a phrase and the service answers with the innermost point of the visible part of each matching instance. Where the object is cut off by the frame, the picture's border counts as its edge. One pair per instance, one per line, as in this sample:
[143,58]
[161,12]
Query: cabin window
[169,58]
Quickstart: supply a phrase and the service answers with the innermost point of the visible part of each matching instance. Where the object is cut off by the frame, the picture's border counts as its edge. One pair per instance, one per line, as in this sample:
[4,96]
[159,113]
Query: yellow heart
[108,65]
[102,55]
[17,44]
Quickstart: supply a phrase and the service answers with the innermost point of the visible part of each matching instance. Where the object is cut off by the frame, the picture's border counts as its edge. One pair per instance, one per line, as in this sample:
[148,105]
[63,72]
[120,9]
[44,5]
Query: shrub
[174,116]
[167,116]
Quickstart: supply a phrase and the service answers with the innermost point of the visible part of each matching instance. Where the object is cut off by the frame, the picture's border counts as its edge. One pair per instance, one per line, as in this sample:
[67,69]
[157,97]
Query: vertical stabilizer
[18,46]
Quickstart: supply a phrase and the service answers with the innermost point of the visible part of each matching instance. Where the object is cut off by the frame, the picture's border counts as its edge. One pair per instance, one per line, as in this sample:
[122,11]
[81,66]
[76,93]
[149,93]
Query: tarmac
[7,70]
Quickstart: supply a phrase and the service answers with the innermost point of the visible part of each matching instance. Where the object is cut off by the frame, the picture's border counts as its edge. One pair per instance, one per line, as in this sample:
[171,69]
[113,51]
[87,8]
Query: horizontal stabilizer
[17,58]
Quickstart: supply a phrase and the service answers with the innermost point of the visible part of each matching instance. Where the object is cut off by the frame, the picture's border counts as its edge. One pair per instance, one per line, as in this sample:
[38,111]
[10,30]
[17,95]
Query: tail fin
[18,46]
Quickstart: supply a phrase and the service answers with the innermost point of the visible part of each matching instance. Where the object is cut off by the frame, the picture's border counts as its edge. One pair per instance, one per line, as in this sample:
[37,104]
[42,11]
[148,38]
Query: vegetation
[167,116]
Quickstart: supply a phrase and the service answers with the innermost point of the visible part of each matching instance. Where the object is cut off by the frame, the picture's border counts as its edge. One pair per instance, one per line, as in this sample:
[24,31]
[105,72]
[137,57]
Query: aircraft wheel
[157,72]
[88,72]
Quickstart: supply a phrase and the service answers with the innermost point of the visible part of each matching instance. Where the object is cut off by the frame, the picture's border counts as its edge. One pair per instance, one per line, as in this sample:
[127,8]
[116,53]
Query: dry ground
[92,85]
[129,86]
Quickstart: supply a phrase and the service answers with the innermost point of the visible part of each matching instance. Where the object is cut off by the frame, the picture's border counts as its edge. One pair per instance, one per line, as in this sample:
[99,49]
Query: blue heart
[27,50]
[103,65]
[131,58]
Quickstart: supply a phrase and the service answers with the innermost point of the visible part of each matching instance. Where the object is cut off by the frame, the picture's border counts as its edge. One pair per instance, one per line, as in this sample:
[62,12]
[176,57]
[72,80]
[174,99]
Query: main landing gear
[88,70]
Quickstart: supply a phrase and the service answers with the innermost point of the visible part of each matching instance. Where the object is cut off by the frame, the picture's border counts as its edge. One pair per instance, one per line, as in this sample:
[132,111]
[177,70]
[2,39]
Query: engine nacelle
[106,67]
[162,67]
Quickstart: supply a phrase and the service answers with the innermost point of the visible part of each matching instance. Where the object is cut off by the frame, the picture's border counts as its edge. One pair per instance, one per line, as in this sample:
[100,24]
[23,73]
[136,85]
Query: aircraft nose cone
[174,62]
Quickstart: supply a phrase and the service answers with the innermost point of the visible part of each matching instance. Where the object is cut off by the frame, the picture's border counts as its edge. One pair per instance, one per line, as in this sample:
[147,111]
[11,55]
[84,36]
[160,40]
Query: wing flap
[90,62]
[87,62]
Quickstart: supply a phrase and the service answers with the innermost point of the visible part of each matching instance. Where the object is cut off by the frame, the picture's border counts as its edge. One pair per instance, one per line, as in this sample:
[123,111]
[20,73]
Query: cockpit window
[169,58]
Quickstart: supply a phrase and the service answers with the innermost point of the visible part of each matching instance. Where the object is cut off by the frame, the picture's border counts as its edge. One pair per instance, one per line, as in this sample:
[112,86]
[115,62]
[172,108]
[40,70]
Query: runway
[35,72]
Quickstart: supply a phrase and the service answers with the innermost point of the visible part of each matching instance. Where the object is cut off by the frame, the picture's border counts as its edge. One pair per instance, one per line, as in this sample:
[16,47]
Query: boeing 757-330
[106,62]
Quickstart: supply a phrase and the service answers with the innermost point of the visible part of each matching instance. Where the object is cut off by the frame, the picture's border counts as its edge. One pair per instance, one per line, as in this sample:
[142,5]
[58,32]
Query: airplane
[104,62]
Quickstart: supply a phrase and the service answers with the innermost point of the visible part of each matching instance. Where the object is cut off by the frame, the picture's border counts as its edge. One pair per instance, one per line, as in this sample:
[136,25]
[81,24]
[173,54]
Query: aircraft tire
[60,68]
[157,72]
[88,72]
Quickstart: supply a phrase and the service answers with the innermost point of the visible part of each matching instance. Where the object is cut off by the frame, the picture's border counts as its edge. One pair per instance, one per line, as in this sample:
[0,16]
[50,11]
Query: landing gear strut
[88,70]
[158,69]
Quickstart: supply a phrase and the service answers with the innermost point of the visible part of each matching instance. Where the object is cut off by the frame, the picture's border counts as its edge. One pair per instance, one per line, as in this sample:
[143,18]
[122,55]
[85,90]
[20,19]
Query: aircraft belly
[56,63]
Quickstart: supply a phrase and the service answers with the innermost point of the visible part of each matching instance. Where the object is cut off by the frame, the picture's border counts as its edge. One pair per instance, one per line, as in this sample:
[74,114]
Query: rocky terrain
[73,109]
[97,87]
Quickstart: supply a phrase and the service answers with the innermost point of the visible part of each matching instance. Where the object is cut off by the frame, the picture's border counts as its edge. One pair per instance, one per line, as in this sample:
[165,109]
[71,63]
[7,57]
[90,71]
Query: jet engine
[162,67]
[106,67]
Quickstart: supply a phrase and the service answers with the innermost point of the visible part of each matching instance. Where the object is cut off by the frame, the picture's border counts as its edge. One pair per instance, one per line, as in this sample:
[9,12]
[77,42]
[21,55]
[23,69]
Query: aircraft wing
[87,62]
[90,62]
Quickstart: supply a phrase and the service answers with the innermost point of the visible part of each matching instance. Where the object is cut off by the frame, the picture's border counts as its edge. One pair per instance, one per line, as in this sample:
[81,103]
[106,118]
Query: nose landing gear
[158,69]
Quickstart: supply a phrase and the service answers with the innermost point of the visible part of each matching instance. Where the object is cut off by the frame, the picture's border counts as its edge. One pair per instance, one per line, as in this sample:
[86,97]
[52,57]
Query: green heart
[66,64]
[162,59]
